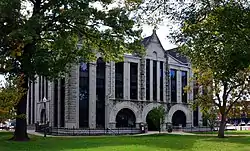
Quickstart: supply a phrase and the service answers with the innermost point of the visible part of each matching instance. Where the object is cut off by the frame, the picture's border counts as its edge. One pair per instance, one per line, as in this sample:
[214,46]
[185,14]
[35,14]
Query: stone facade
[140,106]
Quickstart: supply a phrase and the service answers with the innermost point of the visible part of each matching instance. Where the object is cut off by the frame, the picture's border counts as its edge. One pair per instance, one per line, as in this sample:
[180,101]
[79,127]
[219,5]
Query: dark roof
[177,55]
[146,40]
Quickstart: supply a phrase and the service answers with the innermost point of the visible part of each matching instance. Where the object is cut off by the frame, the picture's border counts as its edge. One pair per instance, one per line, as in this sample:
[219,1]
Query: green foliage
[217,43]
[157,116]
[42,39]
[10,95]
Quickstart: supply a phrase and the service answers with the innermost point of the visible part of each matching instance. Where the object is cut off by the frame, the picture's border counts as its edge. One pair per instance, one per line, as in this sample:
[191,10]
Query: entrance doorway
[179,119]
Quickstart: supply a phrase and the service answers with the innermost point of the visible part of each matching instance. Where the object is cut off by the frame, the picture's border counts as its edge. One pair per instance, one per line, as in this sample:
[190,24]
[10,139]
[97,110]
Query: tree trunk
[20,133]
[221,132]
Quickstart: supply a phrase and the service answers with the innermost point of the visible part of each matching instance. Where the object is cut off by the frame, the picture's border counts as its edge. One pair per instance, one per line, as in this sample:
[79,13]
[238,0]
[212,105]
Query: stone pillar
[138,81]
[108,83]
[28,105]
[36,99]
[51,106]
[92,95]
[72,98]
[126,80]
[158,74]
[59,101]
[142,71]
[165,83]
[178,86]
[112,79]
[151,80]
[52,102]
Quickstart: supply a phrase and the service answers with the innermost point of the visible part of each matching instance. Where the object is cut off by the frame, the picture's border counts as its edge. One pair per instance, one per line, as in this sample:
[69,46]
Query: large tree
[40,37]
[217,43]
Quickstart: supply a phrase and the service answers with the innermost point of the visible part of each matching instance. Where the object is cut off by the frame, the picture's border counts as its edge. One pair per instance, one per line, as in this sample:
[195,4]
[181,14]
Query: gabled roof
[177,55]
[148,39]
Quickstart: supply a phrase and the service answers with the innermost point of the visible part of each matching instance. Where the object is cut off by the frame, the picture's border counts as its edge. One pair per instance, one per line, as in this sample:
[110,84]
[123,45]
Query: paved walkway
[32,132]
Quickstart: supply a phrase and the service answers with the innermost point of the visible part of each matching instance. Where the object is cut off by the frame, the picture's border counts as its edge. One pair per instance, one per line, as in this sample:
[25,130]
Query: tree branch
[235,101]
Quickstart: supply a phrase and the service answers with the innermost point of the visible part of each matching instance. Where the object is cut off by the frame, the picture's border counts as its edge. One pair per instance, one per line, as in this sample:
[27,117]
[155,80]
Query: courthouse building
[110,95]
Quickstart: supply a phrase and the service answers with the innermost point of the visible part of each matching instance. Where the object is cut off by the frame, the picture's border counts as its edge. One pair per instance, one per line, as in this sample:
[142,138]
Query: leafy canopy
[48,36]
[217,43]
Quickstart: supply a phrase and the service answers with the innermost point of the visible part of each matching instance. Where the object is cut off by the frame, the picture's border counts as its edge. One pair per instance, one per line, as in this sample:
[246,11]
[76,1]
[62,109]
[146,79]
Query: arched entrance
[179,118]
[125,118]
[152,125]
[43,116]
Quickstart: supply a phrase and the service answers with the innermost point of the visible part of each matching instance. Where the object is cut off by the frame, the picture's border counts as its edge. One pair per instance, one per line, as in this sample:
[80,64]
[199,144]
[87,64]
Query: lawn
[245,132]
[127,143]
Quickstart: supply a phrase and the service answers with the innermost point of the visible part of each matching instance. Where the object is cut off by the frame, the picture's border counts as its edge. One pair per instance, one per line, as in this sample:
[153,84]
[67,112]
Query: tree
[157,116]
[217,43]
[10,94]
[40,37]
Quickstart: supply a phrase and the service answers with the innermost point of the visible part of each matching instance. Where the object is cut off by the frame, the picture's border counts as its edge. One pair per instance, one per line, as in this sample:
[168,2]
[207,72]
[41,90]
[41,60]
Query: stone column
[112,79]
[165,83]
[36,99]
[158,80]
[108,92]
[92,95]
[51,103]
[126,80]
[72,98]
[178,74]
[142,71]
[59,101]
[138,81]
[28,105]
[151,80]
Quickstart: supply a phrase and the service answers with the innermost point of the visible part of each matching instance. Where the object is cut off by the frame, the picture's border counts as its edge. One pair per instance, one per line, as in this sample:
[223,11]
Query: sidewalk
[32,132]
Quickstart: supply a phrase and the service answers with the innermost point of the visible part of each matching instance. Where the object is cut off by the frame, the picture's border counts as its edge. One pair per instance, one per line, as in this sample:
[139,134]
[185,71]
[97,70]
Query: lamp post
[45,125]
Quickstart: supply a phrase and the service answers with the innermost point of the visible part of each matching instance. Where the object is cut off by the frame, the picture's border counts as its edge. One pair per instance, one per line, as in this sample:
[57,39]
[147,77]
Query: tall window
[100,93]
[119,80]
[154,80]
[133,80]
[84,95]
[147,79]
[56,103]
[62,103]
[173,77]
[183,85]
[161,81]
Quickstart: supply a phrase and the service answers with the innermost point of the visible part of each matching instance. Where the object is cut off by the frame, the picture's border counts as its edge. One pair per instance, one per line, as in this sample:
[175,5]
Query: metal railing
[60,131]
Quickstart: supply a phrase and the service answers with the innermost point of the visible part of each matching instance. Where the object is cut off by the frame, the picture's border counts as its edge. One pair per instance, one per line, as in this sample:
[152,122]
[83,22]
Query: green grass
[127,143]
[245,132]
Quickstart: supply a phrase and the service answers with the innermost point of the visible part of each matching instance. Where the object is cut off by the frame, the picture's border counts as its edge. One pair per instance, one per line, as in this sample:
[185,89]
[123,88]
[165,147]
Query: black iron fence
[59,131]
